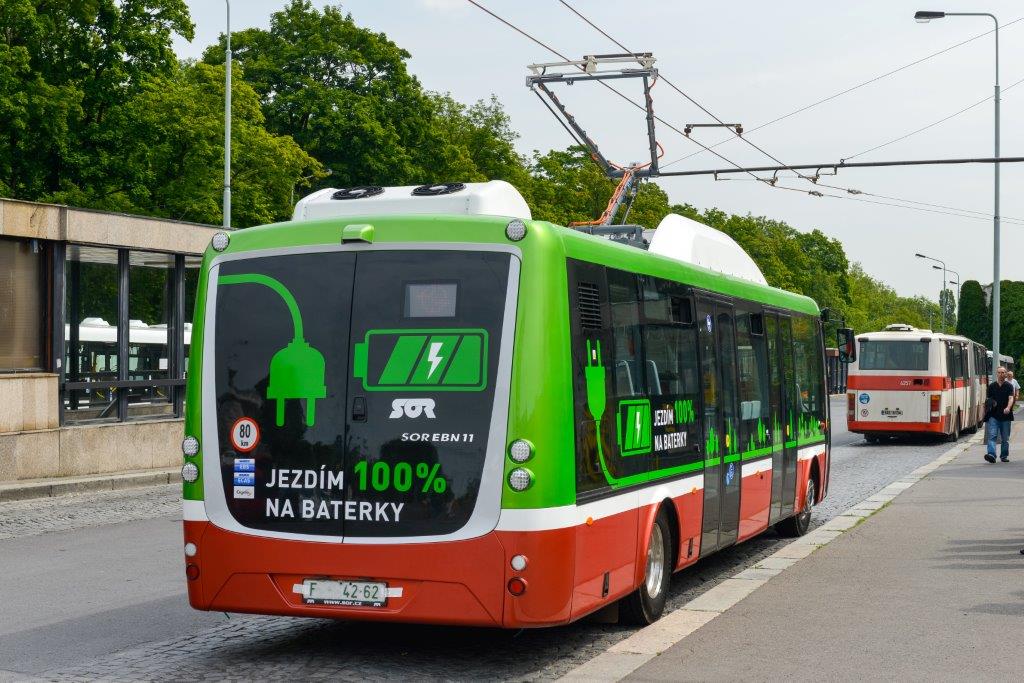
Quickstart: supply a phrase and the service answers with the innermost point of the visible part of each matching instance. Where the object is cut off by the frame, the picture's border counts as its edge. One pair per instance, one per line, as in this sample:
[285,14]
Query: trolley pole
[925,17]
[227,122]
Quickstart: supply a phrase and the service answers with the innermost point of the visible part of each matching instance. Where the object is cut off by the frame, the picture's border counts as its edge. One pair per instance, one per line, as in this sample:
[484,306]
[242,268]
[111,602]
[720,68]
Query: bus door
[720,420]
[791,413]
[777,417]
[425,335]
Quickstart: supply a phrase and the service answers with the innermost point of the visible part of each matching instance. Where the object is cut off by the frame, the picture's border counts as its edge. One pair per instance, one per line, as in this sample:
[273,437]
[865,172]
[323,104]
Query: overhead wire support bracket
[601,68]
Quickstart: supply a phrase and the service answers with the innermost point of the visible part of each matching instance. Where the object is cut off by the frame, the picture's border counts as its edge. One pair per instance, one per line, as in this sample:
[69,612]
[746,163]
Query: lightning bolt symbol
[434,359]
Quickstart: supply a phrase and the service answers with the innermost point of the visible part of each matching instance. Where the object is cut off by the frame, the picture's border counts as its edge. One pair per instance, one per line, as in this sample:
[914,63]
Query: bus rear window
[893,355]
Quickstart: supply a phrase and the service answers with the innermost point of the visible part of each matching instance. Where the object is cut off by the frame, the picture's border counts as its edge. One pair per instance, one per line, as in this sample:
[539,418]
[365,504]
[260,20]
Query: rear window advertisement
[349,403]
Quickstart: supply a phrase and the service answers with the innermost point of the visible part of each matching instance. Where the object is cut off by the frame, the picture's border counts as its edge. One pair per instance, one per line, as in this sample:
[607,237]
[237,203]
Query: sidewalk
[58,486]
[929,588]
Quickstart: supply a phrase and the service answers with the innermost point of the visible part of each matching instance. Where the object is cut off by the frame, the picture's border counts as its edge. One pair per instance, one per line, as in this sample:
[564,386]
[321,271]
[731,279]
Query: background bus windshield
[893,355]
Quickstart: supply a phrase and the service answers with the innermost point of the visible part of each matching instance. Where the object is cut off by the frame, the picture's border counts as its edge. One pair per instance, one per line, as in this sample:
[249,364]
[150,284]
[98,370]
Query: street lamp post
[952,282]
[227,122]
[941,307]
[925,17]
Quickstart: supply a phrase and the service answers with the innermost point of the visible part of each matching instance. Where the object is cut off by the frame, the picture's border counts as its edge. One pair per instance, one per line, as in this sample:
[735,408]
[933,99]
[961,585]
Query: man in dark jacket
[1000,416]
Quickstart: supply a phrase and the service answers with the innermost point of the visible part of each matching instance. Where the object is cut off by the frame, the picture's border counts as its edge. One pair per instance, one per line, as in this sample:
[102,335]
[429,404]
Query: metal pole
[995,241]
[227,123]
[942,297]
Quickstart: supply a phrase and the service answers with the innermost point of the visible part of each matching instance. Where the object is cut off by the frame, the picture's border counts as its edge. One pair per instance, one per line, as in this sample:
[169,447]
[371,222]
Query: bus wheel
[645,605]
[798,524]
[871,438]
[955,434]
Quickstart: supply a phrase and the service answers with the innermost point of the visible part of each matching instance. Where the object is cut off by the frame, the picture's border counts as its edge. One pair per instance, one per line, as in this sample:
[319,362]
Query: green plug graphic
[296,371]
[596,376]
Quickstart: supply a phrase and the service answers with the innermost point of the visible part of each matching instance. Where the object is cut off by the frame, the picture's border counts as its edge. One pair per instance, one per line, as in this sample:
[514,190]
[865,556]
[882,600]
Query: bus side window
[755,422]
[809,379]
[670,351]
[630,374]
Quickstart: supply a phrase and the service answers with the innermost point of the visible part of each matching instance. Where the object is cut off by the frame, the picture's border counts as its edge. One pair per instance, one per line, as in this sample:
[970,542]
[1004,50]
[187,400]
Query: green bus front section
[541,405]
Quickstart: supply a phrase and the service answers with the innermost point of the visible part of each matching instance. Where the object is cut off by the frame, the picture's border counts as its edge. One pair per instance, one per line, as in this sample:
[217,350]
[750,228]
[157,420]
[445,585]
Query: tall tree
[341,91]
[63,67]
[973,318]
[174,166]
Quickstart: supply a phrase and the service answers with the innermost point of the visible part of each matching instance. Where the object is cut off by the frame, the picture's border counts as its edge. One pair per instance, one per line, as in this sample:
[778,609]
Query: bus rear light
[850,404]
[515,230]
[520,451]
[520,479]
[189,472]
[190,446]
[220,241]
[518,563]
[934,403]
[516,586]
[192,571]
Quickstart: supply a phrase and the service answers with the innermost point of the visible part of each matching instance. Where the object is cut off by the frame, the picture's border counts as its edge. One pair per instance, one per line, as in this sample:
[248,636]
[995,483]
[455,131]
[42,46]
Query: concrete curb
[44,488]
[630,654]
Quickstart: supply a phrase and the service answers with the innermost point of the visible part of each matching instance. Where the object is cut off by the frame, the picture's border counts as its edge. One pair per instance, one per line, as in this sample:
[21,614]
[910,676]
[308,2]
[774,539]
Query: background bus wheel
[645,605]
[797,525]
[871,438]
[955,434]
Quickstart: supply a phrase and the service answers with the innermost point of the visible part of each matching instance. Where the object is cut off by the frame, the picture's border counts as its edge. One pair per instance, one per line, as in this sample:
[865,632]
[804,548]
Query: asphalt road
[94,589]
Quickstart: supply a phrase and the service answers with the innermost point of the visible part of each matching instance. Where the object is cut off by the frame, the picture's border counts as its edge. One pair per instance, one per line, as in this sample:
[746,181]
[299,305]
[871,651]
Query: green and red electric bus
[419,405]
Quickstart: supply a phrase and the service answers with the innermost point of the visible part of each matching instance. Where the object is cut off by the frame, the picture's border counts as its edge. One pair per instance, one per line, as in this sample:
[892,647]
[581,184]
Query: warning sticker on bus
[422,360]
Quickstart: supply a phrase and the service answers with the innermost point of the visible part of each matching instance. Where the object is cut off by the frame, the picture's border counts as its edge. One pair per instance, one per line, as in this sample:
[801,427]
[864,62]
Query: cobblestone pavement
[67,513]
[260,648]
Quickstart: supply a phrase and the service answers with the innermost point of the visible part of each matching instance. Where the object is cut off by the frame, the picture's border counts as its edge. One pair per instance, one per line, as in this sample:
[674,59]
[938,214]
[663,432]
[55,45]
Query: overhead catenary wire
[737,167]
[936,208]
[847,91]
[621,94]
[933,124]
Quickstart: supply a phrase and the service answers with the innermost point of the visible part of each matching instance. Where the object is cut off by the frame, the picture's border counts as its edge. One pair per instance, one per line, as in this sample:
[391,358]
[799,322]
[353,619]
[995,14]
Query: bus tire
[645,605]
[872,438]
[800,523]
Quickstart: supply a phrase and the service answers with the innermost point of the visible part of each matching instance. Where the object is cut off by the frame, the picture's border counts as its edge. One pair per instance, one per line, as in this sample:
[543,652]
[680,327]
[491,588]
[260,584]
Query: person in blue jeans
[1000,416]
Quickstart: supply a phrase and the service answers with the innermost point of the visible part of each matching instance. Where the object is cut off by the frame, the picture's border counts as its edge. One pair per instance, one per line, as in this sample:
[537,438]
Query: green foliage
[974,320]
[875,305]
[342,92]
[1011,319]
[947,308]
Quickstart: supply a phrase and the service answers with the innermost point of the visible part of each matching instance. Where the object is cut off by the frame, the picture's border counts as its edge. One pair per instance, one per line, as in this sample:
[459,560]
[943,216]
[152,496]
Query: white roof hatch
[494,198]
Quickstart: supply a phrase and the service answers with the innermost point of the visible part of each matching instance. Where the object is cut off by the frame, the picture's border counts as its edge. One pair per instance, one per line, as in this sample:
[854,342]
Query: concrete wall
[90,449]
[55,222]
[28,402]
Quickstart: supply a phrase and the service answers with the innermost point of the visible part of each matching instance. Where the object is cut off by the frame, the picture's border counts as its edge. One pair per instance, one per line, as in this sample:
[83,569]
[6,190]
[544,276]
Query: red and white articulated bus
[908,380]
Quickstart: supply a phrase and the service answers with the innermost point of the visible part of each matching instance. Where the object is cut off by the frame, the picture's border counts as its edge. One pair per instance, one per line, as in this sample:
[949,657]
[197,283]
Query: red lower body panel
[864,427]
[460,582]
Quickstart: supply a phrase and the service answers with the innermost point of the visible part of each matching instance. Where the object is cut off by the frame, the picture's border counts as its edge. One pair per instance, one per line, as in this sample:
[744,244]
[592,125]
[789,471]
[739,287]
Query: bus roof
[435,228]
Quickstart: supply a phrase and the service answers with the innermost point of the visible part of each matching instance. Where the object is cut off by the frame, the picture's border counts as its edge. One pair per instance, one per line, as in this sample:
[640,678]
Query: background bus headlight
[189,472]
[190,446]
[520,479]
[520,451]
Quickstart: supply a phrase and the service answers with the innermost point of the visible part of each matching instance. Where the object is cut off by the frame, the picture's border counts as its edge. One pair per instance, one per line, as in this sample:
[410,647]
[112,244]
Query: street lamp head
[936,267]
[920,256]
[923,17]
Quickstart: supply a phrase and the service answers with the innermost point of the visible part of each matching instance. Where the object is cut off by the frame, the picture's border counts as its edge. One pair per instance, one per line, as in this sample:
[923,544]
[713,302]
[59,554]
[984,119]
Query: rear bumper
[458,582]
[864,427]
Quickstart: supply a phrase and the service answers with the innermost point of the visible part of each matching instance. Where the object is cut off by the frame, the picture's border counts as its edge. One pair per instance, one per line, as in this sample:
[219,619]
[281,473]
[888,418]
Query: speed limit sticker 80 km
[245,434]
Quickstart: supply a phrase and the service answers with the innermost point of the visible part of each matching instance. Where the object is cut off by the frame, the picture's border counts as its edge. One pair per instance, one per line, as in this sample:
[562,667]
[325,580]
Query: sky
[749,62]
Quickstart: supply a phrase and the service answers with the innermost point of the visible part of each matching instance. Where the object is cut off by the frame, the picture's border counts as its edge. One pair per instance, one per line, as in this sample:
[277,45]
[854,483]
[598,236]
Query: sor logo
[412,408]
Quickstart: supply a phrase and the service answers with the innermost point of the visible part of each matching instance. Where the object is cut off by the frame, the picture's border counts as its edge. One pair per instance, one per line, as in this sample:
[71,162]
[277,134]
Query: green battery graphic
[633,429]
[422,360]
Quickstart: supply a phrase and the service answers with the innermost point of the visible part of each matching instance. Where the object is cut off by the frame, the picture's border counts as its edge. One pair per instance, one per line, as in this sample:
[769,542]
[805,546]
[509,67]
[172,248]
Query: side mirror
[847,345]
